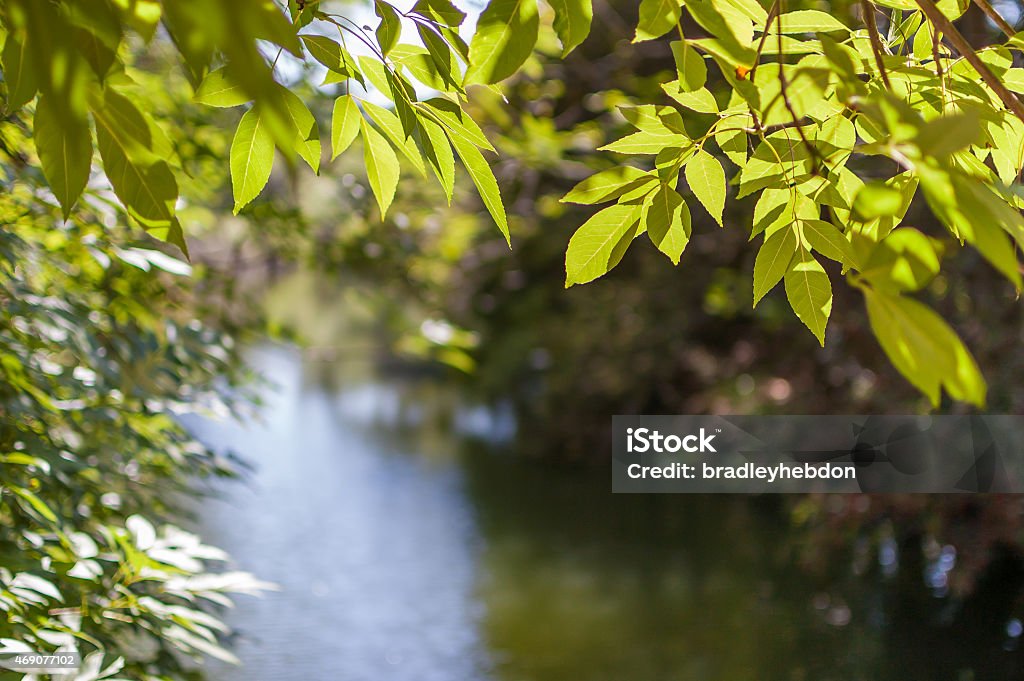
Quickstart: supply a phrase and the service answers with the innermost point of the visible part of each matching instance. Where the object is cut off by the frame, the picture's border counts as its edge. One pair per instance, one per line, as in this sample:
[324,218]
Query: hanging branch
[995,17]
[943,24]
[876,41]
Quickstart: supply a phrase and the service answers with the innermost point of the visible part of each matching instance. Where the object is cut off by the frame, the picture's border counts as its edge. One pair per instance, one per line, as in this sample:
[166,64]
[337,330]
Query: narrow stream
[408,546]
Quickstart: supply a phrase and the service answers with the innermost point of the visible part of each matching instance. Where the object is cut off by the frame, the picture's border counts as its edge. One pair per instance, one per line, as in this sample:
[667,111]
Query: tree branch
[995,17]
[942,23]
[772,13]
[876,41]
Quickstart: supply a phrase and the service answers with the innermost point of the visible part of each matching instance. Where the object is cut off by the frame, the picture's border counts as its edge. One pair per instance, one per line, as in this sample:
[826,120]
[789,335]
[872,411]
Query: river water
[409,546]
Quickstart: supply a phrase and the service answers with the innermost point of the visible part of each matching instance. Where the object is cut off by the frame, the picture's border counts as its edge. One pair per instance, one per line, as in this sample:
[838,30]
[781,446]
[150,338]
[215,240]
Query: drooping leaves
[390,28]
[667,220]
[344,124]
[382,167]
[65,152]
[608,185]
[480,172]
[809,292]
[599,244]
[657,17]
[19,76]
[572,22]
[218,89]
[706,178]
[772,261]
[923,348]
[690,66]
[252,158]
[138,173]
[505,35]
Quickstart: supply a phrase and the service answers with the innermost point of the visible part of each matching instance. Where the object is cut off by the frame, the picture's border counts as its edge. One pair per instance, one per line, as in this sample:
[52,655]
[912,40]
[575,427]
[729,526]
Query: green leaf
[65,153]
[19,77]
[924,349]
[808,21]
[1013,79]
[344,124]
[699,100]
[657,120]
[137,172]
[706,178]
[749,9]
[875,200]
[810,292]
[403,95]
[733,144]
[690,66]
[505,35]
[377,73]
[667,220]
[608,185]
[772,261]
[572,22]
[269,23]
[645,142]
[217,89]
[945,135]
[825,238]
[717,19]
[456,121]
[184,24]
[390,28]
[973,212]
[381,166]
[657,17]
[392,128]
[440,11]
[438,151]
[335,57]
[599,244]
[252,158]
[306,133]
[906,260]
[90,46]
[480,172]
[779,209]
[441,59]
[453,38]
[764,170]
[422,65]
[142,15]
[35,503]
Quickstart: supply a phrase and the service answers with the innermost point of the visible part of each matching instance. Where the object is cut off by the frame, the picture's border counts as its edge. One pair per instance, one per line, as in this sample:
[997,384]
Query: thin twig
[939,71]
[816,158]
[772,13]
[876,41]
[769,129]
[995,17]
[941,22]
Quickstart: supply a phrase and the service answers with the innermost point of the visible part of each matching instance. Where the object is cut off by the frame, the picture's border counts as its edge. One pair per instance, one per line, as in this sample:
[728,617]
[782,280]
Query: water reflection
[409,546]
[374,548]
